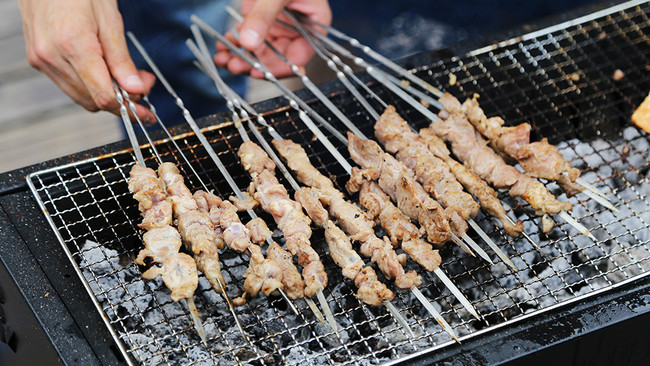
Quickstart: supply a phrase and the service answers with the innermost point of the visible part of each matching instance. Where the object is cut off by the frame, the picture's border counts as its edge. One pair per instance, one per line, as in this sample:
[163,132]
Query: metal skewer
[236,100]
[396,87]
[211,70]
[588,188]
[438,272]
[465,238]
[121,95]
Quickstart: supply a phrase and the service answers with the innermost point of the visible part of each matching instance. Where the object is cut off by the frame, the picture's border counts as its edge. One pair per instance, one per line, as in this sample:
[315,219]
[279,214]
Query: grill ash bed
[559,79]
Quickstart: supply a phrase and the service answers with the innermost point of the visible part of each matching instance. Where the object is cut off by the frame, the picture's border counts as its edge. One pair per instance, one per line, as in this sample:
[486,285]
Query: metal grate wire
[558,79]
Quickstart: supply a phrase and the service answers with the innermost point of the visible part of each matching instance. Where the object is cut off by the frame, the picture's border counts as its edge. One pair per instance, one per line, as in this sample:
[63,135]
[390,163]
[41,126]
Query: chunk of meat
[159,243]
[248,203]
[341,251]
[294,286]
[538,159]
[472,149]
[310,201]
[262,274]
[178,272]
[371,291]
[423,253]
[473,183]
[258,230]
[434,175]
[177,192]
[254,158]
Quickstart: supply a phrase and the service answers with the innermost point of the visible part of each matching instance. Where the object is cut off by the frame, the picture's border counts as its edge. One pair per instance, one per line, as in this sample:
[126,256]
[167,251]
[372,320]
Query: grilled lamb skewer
[434,175]
[371,292]
[162,241]
[274,198]
[195,227]
[482,160]
[288,215]
[396,135]
[475,185]
[355,222]
[538,159]
[266,275]
[472,182]
[472,149]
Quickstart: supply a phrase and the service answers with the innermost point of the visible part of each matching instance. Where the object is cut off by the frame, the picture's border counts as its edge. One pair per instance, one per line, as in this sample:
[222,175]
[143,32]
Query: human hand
[259,24]
[79,44]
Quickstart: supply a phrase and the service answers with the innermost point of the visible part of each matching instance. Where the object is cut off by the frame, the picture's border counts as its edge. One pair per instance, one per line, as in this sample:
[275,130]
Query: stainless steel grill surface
[558,79]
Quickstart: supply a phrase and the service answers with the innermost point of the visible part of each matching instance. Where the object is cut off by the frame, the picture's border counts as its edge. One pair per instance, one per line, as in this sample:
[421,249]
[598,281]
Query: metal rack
[558,79]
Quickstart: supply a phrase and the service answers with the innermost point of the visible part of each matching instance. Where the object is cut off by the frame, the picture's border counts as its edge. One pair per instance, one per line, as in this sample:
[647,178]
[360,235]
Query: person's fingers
[299,51]
[318,10]
[272,61]
[222,58]
[258,21]
[238,66]
[115,51]
[71,85]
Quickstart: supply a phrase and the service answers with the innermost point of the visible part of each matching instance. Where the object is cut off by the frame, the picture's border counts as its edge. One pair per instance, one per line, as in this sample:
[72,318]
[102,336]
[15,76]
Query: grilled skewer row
[288,215]
[439,174]
[474,152]
[162,241]
[538,159]
[207,222]
[358,224]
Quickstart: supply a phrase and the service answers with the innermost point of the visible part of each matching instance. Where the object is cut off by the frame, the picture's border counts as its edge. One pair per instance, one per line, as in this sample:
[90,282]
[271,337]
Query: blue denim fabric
[162,26]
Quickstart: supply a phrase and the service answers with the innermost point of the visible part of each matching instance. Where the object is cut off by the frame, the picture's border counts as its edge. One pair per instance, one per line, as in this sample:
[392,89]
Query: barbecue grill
[559,79]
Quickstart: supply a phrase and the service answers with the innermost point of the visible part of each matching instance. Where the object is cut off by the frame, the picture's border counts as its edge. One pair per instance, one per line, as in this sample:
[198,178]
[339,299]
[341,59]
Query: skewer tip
[196,319]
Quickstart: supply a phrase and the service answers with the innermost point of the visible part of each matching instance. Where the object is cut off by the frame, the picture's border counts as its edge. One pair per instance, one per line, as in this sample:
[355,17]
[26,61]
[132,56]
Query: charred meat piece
[196,227]
[258,230]
[177,192]
[350,217]
[262,274]
[287,213]
[341,251]
[161,241]
[294,286]
[149,191]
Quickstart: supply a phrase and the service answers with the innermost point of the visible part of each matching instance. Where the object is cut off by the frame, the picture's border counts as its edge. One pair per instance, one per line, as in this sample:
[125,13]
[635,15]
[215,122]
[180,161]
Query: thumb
[257,23]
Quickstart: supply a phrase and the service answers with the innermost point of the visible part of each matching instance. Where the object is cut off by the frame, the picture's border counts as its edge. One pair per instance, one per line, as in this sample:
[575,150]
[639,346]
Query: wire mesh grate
[560,80]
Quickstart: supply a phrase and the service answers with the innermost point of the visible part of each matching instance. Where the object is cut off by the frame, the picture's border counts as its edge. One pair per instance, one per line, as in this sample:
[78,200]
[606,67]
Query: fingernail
[148,121]
[249,38]
[133,81]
